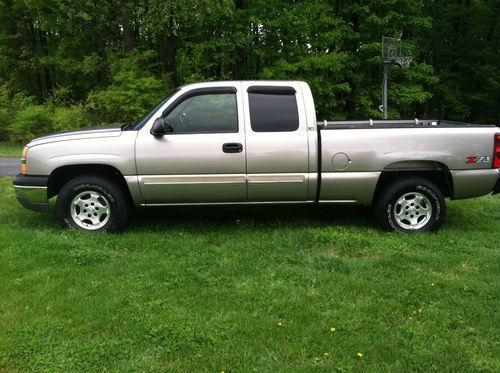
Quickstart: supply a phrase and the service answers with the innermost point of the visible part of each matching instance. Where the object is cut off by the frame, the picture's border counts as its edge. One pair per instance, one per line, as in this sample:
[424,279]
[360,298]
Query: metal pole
[384,90]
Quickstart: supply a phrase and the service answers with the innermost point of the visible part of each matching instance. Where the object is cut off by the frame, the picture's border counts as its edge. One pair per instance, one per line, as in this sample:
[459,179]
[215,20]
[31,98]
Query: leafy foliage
[74,116]
[31,121]
[130,93]
[115,59]
[5,113]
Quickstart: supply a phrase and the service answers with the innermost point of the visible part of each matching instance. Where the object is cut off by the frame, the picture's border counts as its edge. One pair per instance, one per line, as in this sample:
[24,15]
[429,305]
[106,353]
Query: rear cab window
[273,109]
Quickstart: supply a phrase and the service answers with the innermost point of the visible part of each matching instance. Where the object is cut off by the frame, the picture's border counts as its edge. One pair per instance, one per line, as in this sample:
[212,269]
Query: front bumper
[31,191]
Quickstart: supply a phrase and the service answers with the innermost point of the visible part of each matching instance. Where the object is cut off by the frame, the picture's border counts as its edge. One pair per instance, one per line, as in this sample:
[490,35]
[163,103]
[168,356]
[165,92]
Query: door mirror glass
[158,128]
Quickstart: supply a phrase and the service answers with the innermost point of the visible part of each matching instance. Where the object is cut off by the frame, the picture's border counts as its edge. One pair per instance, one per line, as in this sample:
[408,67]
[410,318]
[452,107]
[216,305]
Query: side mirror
[158,128]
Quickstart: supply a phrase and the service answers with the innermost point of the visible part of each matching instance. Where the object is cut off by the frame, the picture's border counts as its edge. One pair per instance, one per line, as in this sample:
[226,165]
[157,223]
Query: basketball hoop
[403,61]
[392,54]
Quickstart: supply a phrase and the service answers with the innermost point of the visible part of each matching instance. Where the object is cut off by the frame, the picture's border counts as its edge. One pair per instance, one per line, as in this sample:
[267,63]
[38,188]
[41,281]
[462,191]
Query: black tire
[100,205]
[410,205]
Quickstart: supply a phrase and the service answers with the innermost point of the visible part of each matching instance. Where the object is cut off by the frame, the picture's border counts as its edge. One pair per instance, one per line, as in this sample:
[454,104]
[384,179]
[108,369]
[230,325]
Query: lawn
[9,149]
[288,289]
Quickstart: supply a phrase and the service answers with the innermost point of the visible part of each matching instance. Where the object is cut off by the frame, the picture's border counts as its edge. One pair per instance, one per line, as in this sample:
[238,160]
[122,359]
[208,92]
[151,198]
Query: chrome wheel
[90,210]
[412,211]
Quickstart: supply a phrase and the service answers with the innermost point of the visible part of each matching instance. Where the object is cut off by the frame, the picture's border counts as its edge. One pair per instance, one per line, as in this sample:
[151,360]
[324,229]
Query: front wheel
[411,205]
[92,203]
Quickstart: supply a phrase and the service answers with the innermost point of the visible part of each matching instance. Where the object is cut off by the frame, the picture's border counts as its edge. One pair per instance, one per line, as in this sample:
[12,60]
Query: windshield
[142,122]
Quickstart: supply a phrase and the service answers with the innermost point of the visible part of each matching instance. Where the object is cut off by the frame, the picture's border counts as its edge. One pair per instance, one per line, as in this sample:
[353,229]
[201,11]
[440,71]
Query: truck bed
[365,149]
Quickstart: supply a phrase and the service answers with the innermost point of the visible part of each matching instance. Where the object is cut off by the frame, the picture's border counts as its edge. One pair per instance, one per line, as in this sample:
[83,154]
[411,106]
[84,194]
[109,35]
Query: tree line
[67,64]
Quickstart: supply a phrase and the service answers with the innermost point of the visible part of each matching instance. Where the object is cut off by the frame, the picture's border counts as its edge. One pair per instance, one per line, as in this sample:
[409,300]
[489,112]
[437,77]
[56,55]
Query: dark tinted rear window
[273,112]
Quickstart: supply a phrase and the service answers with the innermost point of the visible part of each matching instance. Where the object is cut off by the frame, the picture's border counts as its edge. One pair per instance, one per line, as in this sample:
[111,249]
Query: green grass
[9,149]
[255,289]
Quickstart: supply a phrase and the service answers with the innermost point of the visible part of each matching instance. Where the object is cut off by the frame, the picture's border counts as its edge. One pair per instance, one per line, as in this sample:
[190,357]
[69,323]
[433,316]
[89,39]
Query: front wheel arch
[62,175]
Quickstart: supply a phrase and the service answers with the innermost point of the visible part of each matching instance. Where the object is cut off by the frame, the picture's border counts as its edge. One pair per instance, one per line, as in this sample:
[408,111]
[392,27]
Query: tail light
[496,152]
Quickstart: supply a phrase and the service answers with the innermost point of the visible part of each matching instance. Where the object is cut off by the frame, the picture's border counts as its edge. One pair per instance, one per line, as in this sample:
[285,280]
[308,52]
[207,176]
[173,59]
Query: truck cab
[230,142]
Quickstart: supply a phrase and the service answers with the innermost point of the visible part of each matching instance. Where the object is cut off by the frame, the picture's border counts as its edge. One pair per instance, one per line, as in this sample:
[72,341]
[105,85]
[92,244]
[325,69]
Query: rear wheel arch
[436,172]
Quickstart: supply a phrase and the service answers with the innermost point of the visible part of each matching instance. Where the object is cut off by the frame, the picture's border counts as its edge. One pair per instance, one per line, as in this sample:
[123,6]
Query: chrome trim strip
[222,179]
[192,179]
[276,178]
[191,182]
[275,181]
[29,187]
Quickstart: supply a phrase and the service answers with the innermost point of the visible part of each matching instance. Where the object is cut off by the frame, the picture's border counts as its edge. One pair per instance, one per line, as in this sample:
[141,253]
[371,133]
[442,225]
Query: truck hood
[82,133]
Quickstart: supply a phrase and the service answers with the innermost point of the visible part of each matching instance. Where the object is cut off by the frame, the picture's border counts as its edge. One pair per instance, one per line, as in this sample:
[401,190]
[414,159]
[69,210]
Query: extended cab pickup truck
[258,142]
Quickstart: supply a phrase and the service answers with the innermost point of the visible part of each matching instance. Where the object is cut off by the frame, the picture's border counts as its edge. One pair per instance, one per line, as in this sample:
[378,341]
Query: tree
[112,58]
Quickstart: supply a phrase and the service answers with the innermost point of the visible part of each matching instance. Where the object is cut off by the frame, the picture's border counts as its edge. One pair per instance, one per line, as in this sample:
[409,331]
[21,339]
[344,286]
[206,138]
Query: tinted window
[204,113]
[273,112]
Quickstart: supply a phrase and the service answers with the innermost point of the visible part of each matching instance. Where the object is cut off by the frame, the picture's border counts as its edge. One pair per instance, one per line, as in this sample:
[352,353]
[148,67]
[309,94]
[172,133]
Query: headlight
[23,160]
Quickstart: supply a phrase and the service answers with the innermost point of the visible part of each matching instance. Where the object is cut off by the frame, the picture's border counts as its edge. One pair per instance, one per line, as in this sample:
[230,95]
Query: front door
[201,158]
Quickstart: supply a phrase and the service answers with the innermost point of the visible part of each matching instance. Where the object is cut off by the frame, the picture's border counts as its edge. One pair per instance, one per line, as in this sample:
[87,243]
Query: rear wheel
[92,203]
[411,205]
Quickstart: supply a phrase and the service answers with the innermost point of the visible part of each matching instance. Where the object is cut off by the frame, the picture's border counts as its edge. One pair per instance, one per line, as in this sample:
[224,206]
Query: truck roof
[256,82]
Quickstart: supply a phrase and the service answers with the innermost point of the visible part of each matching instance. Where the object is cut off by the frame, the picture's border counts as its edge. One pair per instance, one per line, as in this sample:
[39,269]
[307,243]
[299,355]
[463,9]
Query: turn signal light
[23,160]
[496,152]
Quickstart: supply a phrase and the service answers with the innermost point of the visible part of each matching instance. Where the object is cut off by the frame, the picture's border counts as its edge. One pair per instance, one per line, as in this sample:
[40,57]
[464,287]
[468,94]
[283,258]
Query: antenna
[391,55]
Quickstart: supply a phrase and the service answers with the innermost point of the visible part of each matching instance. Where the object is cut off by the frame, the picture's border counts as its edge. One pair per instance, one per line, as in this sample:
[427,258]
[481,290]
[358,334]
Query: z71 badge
[479,159]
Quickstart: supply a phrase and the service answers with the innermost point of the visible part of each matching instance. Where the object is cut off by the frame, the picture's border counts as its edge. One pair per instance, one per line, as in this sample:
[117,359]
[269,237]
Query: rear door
[276,142]
[201,159]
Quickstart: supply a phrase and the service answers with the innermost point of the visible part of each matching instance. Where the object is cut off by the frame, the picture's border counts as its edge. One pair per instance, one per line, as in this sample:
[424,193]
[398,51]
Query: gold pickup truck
[258,142]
